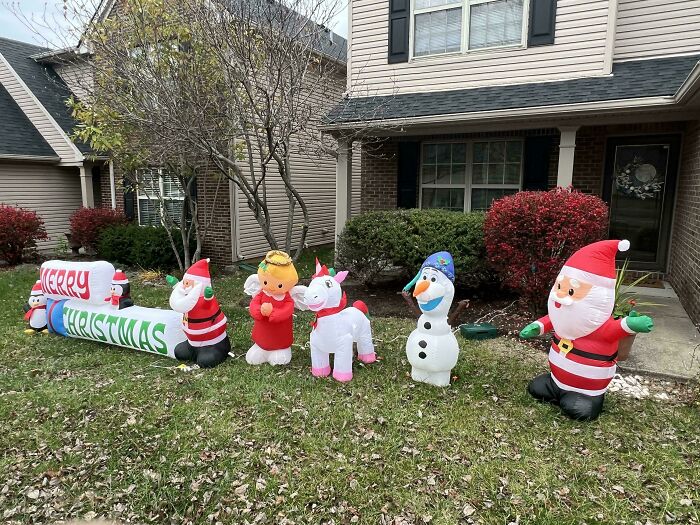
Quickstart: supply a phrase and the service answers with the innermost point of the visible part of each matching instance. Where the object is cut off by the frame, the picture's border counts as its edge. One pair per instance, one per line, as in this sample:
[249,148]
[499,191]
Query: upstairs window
[448,26]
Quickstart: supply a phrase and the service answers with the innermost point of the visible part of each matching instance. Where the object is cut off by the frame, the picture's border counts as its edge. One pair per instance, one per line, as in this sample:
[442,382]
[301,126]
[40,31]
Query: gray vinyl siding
[52,192]
[77,76]
[36,114]
[579,50]
[654,28]
[313,176]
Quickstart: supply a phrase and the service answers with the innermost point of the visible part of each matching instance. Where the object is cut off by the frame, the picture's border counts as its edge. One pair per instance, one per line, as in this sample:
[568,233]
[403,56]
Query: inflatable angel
[275,295]
[583,354]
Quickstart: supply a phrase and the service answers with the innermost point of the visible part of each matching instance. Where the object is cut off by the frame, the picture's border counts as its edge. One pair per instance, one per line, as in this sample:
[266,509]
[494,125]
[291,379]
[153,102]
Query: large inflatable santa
[203,321]
[583,354]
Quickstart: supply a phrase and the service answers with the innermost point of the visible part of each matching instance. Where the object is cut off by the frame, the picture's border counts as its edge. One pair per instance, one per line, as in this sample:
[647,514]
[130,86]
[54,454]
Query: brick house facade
[380,176]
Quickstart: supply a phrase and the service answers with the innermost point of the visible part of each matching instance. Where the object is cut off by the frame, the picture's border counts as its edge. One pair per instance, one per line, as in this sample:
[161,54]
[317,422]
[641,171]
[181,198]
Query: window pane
[429,174]
[174,209]
[438,32]
[479,174]
[459,153]
[457,199]
[496,23]
[444,153]
[442,198]
[458,173]
[429,151]
[514,151]
[481,152]
[482,198]
[512,174]
[497,152]
[424,4]
[495,174]
[428,200]
[443,174]
[148,213]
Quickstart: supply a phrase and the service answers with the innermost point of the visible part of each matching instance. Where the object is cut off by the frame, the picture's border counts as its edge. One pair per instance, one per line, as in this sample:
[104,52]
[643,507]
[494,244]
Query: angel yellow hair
[279,265]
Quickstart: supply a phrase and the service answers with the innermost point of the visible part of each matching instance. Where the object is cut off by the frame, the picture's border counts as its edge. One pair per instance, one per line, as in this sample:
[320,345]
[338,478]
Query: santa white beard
[182,300]
[574,319]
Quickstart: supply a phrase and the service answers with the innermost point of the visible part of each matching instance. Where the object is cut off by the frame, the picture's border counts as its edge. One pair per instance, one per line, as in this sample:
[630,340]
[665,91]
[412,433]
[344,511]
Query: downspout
[112,185]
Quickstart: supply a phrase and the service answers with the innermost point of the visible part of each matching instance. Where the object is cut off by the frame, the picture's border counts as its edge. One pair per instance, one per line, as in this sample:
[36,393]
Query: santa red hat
[120,278]
[595,263]
[36,289]
[199,272]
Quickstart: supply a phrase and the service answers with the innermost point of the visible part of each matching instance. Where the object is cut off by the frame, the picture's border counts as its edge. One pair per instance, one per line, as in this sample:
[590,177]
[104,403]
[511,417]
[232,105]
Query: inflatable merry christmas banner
[147,329]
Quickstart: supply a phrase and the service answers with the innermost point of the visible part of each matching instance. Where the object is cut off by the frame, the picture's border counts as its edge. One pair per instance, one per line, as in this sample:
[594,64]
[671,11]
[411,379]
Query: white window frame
[468,185]
[141,195]
[466,15]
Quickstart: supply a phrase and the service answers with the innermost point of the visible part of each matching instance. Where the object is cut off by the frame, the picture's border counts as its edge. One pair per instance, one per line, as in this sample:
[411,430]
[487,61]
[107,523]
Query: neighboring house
[234,233]
[484,98]
[41,169]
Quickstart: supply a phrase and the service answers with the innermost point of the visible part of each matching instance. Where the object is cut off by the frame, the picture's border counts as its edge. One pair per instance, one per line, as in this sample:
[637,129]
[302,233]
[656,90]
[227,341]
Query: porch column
[86,185]
[567,146]
[112,186]
[343,185]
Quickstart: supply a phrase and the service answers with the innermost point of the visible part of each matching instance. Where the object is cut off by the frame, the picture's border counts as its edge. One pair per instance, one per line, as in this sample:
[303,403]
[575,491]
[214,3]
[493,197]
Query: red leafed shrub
[530,235]
[19,231]
[86,224]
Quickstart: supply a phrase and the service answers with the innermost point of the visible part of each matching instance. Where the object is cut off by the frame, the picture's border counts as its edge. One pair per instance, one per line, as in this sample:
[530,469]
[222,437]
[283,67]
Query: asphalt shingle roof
[17,134]
[635,79]
[42,80]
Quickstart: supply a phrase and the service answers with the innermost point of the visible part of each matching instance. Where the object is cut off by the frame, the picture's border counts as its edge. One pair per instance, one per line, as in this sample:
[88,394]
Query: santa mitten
[208,292]
[172,281]
[530,331]
[641,324]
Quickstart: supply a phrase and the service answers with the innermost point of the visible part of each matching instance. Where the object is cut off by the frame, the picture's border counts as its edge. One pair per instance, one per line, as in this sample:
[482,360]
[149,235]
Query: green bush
[377,241]
[142,246]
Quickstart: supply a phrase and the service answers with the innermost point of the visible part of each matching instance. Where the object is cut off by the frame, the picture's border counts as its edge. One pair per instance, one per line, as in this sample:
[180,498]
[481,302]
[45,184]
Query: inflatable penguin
[120,292]
[35,311]
[432,348]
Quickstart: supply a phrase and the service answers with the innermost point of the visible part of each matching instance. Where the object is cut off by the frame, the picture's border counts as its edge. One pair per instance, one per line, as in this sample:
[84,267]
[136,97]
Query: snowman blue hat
[441,261]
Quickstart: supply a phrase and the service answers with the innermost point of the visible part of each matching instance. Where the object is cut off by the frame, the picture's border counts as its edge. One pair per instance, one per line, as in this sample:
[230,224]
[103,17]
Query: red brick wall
[685,237]
[379,176]
[214,205]
[104,192]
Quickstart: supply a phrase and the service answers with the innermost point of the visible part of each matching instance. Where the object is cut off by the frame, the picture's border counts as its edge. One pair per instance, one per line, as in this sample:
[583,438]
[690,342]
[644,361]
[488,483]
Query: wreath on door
[638,179]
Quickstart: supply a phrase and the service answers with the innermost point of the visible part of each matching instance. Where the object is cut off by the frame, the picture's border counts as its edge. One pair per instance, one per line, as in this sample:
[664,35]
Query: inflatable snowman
[432,348]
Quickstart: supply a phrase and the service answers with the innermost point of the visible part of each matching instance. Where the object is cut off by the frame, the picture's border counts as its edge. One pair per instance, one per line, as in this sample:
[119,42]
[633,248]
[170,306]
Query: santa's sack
[84,281]
[151,330]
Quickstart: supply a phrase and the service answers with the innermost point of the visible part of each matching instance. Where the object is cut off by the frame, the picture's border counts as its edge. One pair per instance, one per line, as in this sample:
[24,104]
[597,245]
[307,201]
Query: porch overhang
[664,88]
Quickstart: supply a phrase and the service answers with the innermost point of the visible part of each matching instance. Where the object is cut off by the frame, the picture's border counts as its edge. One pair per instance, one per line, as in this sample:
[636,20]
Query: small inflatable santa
[35,310]
[583,354]
[203,321]
[120,292]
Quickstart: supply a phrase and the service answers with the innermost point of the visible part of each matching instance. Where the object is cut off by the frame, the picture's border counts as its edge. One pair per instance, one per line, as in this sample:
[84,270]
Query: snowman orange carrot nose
[421,287]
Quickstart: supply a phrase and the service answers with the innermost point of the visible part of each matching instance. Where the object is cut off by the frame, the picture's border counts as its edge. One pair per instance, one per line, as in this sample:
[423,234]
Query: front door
[640,179]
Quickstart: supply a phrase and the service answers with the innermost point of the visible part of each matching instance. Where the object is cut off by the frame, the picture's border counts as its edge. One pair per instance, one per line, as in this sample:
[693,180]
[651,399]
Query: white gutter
[30,158]
[688,88]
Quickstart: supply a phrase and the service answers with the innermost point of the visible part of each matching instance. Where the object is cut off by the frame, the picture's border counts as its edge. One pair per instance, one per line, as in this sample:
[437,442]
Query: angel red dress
[275,332]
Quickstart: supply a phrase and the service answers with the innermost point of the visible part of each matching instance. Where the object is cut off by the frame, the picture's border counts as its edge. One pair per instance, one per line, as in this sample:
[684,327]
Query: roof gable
[18,137]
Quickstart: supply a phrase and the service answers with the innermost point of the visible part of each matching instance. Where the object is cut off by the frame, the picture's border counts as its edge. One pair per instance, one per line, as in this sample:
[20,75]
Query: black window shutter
[408,169]
[399,24]
[536,163]
[543,14]
[129,200]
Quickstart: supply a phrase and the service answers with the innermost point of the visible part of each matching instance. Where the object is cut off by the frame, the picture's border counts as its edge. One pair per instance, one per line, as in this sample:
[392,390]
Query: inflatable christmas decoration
[120,291]
[336,327]
[275,295]
[35,310]
[203,321]
[80,304]
[583,353]
[432,348]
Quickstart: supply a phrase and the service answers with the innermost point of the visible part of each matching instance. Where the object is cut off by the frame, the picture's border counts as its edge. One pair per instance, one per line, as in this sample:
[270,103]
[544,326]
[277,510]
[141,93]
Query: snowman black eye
[571,291]
[425,277]
[433,279]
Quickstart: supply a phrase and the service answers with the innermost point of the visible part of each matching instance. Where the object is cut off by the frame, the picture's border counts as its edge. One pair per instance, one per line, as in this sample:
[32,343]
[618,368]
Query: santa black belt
[587,355]
[204,319]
